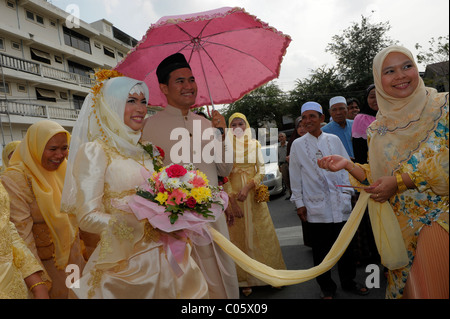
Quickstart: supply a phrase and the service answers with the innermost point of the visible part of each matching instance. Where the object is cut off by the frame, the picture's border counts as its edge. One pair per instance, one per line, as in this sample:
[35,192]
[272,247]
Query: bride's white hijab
[102,117]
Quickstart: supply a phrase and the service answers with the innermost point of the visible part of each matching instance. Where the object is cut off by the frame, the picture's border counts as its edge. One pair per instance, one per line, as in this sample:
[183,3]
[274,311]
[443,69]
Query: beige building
[46,59]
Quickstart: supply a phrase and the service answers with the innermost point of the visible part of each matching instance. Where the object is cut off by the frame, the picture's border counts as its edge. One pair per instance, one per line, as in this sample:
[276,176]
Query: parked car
[272,178]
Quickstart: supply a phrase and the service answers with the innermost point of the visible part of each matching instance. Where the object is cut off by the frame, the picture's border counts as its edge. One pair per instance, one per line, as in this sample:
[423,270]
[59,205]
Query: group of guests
[401,159]
[60,207]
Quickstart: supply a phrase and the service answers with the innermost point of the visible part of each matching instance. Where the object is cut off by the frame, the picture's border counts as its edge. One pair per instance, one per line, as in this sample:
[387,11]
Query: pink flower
[197,181]
[175,170]
[191,202]
[178,196]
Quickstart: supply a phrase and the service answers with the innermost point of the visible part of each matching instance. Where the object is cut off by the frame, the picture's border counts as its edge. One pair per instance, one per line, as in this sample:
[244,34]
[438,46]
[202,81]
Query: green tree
[323,84]
[355,50]
[266,103]
[437,51]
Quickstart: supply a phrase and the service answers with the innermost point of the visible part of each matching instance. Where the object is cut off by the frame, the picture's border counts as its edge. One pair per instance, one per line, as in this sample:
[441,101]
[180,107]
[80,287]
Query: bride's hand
[332,163]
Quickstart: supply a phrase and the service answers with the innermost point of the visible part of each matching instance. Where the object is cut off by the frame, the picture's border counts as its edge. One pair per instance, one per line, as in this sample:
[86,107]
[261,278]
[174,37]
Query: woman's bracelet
[37,284]
[354,166]
[400,183]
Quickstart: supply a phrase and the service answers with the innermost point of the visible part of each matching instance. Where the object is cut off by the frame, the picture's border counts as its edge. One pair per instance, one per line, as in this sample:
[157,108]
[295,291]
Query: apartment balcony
[36,110]
[18,64]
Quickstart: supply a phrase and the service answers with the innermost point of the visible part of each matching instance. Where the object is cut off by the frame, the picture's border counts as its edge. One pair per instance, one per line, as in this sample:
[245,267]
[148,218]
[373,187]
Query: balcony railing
[36,110]
[39,69]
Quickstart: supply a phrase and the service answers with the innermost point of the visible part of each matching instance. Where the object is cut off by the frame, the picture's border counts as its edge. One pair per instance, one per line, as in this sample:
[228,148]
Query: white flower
[172,183]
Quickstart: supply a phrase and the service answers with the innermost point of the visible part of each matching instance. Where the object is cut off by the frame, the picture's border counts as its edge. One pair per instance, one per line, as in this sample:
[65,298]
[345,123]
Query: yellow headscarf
[402,124]
[245,148]
[9,148]
[47,185]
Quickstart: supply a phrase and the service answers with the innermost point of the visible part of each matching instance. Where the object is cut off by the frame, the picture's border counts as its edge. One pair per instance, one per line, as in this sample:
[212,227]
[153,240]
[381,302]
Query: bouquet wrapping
[178,199]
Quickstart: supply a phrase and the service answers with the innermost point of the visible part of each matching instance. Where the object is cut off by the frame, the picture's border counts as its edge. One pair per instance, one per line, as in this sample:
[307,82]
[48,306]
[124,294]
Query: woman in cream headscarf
[34,182]
[106,164]
[252,228]
[408,167]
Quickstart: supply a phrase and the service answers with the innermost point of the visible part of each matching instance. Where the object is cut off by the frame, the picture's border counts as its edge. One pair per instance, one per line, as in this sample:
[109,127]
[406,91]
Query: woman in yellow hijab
[34,182]
[408,168]
[7,153]
[252,229]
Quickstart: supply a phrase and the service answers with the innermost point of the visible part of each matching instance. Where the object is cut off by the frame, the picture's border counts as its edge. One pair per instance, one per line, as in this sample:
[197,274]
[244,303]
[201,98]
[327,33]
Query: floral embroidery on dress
[418,208]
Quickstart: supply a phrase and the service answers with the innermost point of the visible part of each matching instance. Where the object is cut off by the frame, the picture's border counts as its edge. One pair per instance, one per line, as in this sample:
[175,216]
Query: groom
[178,84]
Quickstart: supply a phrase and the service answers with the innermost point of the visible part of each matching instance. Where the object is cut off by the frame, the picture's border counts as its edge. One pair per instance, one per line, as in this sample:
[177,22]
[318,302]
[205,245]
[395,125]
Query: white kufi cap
[312,106]
[337,99]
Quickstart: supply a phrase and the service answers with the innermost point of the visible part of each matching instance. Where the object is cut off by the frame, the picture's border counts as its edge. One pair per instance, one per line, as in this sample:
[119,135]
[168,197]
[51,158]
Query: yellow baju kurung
[35,195]
[16,261]
[31,226]
[254,233]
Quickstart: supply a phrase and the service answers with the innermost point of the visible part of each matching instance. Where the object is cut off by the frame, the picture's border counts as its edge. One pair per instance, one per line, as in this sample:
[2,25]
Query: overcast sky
[310,23]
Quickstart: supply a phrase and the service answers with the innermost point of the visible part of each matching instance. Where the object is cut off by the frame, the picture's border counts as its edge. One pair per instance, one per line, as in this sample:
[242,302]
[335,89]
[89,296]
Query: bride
[106,164]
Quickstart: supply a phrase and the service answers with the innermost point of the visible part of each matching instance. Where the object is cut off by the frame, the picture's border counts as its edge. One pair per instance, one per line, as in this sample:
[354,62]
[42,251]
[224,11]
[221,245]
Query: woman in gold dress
[106,164]
[252,229]
[19,269]
[34,182]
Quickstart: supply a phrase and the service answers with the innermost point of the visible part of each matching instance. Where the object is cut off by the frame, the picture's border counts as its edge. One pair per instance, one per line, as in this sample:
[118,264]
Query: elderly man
[340,126]
[164,129]
[319,200]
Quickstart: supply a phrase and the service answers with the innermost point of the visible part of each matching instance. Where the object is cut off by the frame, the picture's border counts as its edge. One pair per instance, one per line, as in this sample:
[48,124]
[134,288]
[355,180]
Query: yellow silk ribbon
[387,235]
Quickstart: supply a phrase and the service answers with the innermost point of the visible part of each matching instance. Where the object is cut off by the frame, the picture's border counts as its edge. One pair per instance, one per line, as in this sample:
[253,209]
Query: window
[79,68]
[109,52]
[15,45]
[77,40]
[78,101]
[2,44]
[46,95]
[4,88]
[39,19]
[21,88]
[11,4]
[40,56]
[34,17]
[30,15]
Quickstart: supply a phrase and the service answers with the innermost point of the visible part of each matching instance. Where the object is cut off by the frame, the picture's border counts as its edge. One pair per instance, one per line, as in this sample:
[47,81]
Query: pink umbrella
[230,52]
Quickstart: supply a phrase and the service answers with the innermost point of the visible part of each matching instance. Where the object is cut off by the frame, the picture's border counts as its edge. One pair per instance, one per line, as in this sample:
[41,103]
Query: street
[298,256]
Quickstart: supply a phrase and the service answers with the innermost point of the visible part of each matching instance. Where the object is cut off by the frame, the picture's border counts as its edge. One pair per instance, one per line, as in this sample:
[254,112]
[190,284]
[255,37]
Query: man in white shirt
[319,201]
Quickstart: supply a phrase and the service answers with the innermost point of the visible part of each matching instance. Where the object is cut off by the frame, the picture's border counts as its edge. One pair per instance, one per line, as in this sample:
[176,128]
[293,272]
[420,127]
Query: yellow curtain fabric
[387,236]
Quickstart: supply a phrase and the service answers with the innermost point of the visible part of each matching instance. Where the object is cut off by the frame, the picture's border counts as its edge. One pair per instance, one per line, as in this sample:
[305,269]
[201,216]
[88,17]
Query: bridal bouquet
[178,200]
[182,194]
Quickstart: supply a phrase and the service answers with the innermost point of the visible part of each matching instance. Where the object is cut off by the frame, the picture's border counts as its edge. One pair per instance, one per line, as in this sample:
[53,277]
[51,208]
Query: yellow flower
[201,194]
[203,176]
[162,197]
